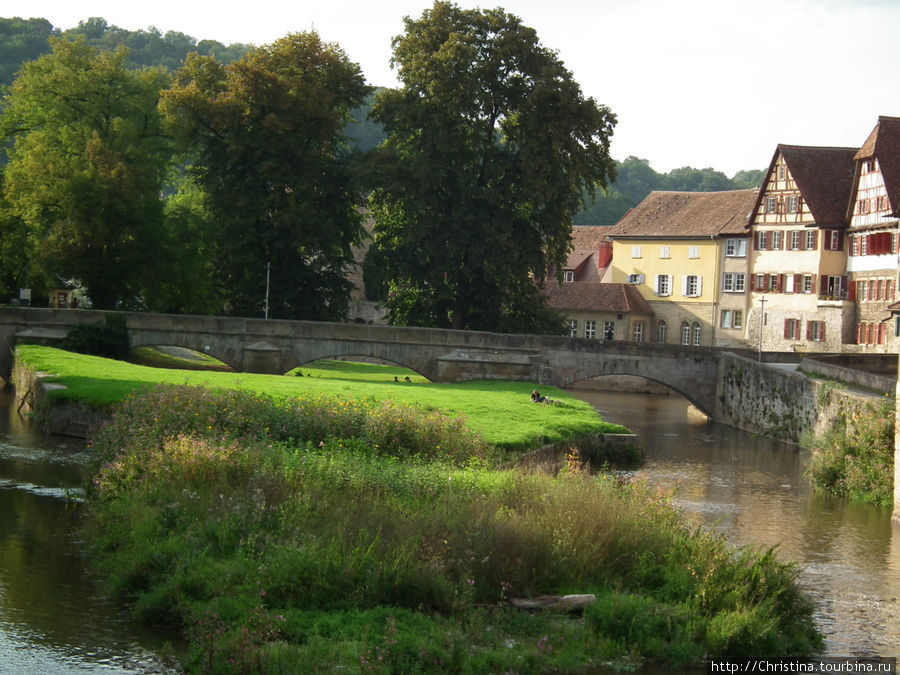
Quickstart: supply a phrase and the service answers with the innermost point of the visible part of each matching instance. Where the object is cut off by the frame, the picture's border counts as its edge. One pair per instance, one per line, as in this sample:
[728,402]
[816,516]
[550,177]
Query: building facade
[800,296]
[672,248]
[872,263]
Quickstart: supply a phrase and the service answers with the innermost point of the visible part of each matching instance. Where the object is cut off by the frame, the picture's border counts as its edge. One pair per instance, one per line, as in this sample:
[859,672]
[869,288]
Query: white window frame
[693,252]
[685,333]
[692,285]
[733,282]
[635,279]
[811,240]
[794,240]
[635,251]
[573,327]
[792,204]
[590,329]
[735,248]
[697,333]
[737,319]
[725,318]
[662,285]
[568,276]
[638,331]
[662,331]
[609,327]
[664,252]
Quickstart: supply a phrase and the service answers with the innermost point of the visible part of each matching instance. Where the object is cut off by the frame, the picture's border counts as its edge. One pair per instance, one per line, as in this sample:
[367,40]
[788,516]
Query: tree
[86,168]
[490,146]
[270,152]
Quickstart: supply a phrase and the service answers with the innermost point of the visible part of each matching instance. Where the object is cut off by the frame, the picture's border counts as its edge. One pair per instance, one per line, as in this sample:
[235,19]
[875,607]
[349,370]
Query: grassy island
[289,524]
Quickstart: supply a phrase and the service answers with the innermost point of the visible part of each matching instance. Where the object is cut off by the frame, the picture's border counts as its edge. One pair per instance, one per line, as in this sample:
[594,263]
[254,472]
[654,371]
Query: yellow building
[800,299]
[676,248]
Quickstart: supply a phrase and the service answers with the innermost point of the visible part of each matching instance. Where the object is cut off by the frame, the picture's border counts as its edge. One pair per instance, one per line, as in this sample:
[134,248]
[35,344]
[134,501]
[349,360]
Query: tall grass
[297,536]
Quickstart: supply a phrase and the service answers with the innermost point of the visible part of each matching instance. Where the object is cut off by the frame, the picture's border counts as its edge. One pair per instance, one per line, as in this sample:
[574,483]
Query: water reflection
[752,489]
[53,617]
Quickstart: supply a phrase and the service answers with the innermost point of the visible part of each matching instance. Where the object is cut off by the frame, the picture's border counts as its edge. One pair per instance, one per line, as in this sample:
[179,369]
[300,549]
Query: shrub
[855,457]
[108,338]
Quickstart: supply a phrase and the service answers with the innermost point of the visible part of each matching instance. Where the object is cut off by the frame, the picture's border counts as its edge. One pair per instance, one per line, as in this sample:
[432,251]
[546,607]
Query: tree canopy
[490,147]
[267,145]
[86,168]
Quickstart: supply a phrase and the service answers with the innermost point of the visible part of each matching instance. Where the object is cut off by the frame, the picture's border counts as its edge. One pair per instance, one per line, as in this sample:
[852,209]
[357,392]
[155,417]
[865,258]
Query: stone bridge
[274,346]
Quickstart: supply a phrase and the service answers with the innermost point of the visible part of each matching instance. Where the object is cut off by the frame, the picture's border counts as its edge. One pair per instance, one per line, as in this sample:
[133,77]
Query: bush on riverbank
[855,457]
[283,535]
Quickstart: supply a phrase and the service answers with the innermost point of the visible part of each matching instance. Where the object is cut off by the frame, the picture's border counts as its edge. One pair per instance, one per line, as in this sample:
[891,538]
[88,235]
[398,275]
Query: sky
[701,83]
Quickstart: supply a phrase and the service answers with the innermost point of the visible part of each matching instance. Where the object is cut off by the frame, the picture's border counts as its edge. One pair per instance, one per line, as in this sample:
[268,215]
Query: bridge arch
[359,358]
[667,385]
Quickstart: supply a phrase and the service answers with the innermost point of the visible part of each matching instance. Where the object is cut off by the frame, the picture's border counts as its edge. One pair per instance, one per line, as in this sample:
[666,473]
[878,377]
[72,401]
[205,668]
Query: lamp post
[762,316]
[268,268]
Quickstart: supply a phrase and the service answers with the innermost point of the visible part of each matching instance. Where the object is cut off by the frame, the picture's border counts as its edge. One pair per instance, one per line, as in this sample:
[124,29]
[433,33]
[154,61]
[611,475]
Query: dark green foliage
[21,40]
[490,145]
[279,187]
[855,457]
[108,338]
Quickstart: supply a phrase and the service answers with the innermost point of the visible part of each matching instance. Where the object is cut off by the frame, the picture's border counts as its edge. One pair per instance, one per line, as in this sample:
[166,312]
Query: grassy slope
[501,411]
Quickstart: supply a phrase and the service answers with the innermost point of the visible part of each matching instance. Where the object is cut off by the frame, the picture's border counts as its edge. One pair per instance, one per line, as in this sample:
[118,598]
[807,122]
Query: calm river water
[753,490]
[53,618]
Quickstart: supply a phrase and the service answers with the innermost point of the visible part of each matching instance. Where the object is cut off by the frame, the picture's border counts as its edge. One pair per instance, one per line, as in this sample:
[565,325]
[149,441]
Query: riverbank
[365,535]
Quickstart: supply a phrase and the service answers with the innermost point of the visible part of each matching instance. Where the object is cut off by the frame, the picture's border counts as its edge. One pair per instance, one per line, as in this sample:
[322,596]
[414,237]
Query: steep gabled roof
[884,145]
[584,296]
[576,259]
[589,236]
[687,215]
[824,177]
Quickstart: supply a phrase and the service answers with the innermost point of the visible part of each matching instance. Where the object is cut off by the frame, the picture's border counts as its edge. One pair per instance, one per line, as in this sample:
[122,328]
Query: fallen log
[557,603]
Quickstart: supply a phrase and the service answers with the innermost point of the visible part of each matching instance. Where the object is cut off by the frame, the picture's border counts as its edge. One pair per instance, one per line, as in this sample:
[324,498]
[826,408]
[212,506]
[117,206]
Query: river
[752,489]
[53,615]
[54,618]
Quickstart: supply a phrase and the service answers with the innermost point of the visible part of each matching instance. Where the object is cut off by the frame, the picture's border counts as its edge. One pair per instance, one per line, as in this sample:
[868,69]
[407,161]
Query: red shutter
[808,330]
[840,242]
[882,334]
[815,246]
[851,291]
[779,284]
[858,332]
[823,285]
[822,331]
[812,284]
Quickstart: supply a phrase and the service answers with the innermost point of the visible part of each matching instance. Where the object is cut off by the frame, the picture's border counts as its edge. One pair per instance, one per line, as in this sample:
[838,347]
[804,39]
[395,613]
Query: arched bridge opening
[595,387]
[359,366]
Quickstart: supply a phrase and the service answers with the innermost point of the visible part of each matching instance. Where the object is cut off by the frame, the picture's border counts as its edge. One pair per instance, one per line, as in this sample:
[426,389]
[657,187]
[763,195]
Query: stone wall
[780,402]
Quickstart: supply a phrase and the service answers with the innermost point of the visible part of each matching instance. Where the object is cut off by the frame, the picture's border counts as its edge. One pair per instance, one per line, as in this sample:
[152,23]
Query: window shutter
[671,280]
[840,241]
[823,285]
[655,284]
[822,331]
[779,284]
[699,286]
[684,285]
[882,333]
[851,291]
[858,332]
[781,241]
[812,285]
[787,333]
[808,330]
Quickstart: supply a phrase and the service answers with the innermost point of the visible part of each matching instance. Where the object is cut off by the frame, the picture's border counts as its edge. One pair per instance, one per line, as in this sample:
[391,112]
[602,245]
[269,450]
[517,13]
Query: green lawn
[501,411]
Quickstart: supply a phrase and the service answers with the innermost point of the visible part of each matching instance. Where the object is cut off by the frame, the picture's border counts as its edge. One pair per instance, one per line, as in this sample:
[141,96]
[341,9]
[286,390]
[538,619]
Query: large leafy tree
[87,165]
[490,146]
[270,153]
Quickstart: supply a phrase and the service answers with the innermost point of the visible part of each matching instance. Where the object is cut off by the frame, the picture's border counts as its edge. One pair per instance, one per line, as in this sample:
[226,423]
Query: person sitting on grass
[537,398]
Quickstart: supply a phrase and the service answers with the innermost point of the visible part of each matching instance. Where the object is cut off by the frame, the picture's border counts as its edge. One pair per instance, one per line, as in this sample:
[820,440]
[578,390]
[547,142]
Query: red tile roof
[620,298]
[687,215]
[884,145]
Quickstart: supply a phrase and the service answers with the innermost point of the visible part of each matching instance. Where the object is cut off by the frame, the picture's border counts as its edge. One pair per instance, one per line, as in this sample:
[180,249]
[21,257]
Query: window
[833,241]
[568,276]
[864,245]
[794,240]
[663,251]
[661,331]
[833,287]
[609,330]
[807,283]
[781,172]
[862,206]
[691,286]
[736,248]
[696,333]
[725,320]
[760,284]
[815,331]
[811,240]
[638,331]
[590,329]
[737,321]
[732,318]
[792,204]
[663,285]
[774,283]
[573,327]
[635,251]
[868,166]
[761,239]
[861,289]
[770,204]
[854,245]
[685,333]
[733,282]
[880,203]
[635,278]
[788,283]
[693,251]
[792,329]
[776,240]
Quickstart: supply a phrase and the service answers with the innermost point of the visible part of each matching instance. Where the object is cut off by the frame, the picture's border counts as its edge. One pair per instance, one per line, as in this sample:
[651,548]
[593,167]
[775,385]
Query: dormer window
[568,276]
